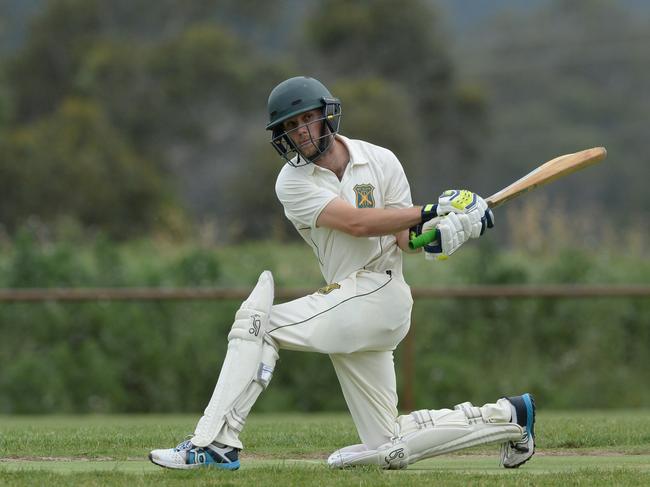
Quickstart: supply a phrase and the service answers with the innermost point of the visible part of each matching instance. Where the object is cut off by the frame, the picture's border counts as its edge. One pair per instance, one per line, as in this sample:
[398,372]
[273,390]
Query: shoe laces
[186,444]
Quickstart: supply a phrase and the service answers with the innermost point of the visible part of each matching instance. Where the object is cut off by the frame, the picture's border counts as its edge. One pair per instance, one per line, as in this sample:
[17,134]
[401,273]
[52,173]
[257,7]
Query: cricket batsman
[351,203]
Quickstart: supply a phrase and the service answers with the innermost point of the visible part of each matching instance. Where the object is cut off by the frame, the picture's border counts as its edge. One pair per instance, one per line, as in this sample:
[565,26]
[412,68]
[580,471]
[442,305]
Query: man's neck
[335,159]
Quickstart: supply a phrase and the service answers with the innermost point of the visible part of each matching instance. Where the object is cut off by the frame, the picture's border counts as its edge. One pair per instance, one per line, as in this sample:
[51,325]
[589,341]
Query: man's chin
[308,152]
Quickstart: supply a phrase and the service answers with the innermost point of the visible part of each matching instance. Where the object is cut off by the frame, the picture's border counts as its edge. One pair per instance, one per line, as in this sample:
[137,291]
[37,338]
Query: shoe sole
[220,466]
[530,425]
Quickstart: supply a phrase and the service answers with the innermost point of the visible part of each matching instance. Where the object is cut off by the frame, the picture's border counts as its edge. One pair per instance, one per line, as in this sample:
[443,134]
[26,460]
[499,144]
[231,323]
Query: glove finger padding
[464,202]
[477,222]
[460,201]
[454,230]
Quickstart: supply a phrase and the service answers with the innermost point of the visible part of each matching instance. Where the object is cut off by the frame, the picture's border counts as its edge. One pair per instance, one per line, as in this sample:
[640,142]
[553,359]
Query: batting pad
[443,431]
[246,370]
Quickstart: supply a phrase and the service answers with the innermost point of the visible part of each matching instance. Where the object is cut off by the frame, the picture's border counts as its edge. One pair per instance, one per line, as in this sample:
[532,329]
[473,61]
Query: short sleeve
[397,190]
[302,200]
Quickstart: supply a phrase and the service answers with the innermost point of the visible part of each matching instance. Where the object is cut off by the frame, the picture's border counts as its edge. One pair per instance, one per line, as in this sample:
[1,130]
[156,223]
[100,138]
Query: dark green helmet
[293,97]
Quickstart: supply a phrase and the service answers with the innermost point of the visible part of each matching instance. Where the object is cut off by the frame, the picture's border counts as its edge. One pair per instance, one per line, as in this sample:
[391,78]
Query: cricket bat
[547,172]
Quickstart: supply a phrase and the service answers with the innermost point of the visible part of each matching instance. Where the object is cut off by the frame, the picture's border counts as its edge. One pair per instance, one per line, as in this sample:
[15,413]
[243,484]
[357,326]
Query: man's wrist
[428,212]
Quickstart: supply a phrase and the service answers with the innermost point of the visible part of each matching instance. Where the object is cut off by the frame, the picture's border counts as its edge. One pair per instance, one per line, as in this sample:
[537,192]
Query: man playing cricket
[350,201]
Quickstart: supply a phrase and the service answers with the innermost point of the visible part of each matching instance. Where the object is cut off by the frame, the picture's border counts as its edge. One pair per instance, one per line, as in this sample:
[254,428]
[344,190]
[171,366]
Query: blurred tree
[207,64]
[563,77]
[378,110]
[75,164]
[185,86]
[179,91]
[5,105]
[43,72]
[400,43]
[213,91]
[114,74]
[258,213]
[403,46]
[14,17]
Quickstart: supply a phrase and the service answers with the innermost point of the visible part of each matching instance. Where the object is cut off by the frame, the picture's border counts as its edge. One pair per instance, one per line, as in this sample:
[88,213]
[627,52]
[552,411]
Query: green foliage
[76,165]
[369,37]
[198,267]
[165,356]
[404,94]
[5,105]
[106,104]
[563,77]
[44,73]
[569,353]
[184,87]
[33,266]
[380,111]
[188,96]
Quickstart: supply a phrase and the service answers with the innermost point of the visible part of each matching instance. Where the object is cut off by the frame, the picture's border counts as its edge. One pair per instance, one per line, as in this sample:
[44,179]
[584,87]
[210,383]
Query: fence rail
[284,294]
[457,292]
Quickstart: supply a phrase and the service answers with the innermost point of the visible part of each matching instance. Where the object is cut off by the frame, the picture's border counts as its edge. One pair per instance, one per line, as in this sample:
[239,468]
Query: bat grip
[424,239]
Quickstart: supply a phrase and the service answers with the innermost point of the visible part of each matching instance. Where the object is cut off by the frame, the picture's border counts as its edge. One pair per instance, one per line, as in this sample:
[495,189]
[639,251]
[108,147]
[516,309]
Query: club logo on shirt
[329,288]
[365,198]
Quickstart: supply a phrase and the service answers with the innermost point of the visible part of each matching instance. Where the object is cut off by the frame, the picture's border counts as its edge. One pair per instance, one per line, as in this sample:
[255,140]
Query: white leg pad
[246,371]
[427,433]
[389,456]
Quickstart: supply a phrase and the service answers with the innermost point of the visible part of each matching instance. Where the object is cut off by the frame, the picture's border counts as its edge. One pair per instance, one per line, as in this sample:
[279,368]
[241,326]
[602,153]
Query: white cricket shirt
[374,178]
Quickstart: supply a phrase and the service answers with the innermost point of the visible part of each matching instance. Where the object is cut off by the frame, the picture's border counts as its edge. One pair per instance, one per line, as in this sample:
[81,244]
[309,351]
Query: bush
[166,356]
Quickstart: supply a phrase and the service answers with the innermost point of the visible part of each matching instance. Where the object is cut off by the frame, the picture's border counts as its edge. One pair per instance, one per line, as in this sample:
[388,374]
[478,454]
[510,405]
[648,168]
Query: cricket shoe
[515,453]
[188,456]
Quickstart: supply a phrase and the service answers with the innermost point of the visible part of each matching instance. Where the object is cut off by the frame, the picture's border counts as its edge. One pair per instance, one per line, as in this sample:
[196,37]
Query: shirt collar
[356,157]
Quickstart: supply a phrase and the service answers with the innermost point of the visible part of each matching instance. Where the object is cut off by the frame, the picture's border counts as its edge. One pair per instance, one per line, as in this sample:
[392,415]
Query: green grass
[574,448]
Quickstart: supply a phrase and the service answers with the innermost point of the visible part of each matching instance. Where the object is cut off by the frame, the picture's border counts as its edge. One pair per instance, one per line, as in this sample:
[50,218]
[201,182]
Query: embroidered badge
[365,198]
[329,288]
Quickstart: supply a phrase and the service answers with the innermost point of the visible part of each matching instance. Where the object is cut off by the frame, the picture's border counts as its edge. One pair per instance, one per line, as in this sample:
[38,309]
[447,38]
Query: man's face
[305,131]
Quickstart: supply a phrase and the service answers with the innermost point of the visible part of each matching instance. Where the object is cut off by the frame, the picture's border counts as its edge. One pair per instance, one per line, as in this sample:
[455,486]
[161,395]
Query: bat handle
[424,239]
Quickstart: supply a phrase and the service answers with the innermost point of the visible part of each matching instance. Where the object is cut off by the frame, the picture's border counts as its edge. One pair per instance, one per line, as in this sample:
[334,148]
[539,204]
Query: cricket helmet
[293,97]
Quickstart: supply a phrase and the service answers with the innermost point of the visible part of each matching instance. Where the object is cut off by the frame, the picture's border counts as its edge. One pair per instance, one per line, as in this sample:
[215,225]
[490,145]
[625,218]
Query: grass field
[574,448]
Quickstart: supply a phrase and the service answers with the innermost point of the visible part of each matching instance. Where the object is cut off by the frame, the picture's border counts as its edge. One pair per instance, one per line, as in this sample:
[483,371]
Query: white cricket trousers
[358,325]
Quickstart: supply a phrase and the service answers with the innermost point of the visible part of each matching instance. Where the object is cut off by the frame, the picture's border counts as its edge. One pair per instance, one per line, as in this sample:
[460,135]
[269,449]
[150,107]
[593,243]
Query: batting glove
[470,204]
[454,230]
[429,211]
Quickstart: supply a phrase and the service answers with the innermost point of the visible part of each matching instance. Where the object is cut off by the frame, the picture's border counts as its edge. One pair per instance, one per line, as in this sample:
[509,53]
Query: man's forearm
[373,222]
[367,222]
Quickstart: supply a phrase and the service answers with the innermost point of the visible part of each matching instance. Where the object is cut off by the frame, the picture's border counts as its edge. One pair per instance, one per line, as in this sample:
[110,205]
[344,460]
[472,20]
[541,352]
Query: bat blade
[544,174]
[547,172]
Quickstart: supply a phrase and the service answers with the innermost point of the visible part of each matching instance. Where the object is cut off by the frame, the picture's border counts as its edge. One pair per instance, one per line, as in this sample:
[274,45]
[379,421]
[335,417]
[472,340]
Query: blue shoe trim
[201,456]
[530,414]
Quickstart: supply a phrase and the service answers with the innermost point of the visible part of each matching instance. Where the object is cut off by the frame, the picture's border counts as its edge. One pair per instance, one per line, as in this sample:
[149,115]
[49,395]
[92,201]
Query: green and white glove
[429,211]
[454,230]
[462,201]
[458,202]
